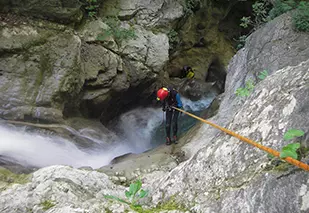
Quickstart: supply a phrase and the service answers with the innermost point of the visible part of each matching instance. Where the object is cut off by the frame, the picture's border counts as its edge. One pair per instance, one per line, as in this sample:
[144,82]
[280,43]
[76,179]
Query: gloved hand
[167,108]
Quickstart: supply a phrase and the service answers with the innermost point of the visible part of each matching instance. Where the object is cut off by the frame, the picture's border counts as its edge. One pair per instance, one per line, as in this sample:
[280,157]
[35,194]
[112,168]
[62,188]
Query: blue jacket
[173,99]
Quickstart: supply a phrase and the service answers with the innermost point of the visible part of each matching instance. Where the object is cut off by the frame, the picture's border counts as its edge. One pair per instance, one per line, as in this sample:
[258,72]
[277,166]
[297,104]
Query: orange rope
[264,148]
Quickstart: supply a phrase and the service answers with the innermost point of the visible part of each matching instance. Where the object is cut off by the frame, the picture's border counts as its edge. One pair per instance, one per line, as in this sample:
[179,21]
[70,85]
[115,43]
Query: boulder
[59,189]
[195,89]
[40,73]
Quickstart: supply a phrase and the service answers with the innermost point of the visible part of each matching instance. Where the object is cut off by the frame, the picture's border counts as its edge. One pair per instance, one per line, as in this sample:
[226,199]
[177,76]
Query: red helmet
[162,94]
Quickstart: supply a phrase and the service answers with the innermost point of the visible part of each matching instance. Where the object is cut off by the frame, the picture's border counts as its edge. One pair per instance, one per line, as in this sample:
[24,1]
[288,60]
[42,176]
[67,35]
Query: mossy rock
[8,178]
[47,204]
[170,205]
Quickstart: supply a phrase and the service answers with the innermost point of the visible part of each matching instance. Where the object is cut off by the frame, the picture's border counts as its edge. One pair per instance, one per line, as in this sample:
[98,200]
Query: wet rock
[195,89]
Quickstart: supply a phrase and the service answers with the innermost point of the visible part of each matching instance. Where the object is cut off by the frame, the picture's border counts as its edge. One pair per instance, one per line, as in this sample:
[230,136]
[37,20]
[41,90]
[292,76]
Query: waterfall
[136,130]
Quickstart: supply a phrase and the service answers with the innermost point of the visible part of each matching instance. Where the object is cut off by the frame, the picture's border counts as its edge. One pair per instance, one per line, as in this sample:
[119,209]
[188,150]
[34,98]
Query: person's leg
[175,125]
[168,123]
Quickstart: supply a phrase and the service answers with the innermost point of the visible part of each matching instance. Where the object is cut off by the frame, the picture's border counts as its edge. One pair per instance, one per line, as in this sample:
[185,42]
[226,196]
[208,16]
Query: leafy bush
[134,194]
[245,91]
[260,11]
[281,7]
[301,17]
[245,22]
[116,31]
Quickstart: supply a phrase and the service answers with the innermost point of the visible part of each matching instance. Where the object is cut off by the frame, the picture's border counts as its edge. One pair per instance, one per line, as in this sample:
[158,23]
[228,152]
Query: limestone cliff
[58,61]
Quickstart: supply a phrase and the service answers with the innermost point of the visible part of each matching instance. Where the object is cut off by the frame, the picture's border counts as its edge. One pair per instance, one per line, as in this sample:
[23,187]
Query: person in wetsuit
[169,98]
[187,72]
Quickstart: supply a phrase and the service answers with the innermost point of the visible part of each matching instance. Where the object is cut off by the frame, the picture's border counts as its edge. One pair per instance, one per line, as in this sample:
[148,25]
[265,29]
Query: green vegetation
[245,22]
[92,7]
[189,5]
[260,14]
[281,7]
[8,178]
[245,91]
[291,150]
[173,38]
[249,85]
[293,133]
[167,206]
[116,31]
[134,194]
[47,204]
[241,42]
[262,75]
[301,17]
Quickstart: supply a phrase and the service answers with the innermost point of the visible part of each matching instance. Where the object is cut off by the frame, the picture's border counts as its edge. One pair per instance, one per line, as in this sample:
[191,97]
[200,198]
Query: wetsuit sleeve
[179,103]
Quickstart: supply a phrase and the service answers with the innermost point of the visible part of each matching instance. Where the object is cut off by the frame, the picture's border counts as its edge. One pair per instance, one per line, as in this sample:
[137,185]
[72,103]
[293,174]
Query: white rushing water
[135,128]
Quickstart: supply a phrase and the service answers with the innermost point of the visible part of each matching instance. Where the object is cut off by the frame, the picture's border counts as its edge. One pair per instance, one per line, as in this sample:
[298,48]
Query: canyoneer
[187,72]
[169,98]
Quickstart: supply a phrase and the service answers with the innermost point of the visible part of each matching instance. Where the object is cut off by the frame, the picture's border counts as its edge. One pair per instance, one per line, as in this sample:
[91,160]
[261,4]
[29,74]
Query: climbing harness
[247,140]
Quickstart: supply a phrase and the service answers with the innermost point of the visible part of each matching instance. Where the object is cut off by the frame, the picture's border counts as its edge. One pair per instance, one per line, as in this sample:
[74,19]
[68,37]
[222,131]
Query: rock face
[63,11]
[226,175]
[146,13]
[198,42]
[40,72]
[124,75]
[50,71]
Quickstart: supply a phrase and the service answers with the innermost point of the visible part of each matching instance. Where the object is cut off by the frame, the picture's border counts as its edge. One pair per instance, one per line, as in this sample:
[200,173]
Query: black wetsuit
[171,114]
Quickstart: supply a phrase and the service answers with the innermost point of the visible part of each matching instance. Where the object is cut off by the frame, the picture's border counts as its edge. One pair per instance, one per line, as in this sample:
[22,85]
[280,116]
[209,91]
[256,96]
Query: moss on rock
[8,178]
